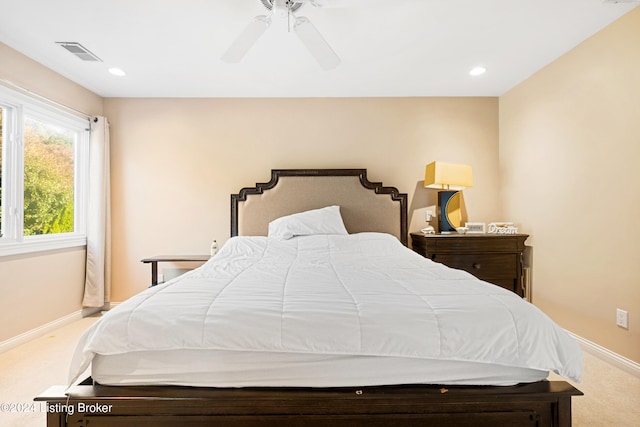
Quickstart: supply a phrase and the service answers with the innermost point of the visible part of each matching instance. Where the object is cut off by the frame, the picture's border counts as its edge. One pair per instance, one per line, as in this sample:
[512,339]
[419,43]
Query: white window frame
[13,241]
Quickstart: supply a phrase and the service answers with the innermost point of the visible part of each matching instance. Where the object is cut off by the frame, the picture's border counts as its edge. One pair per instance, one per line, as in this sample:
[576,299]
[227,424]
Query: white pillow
[318,221]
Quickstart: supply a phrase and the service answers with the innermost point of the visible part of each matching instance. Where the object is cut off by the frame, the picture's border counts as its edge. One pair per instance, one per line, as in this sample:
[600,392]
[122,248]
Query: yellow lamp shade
[448,176]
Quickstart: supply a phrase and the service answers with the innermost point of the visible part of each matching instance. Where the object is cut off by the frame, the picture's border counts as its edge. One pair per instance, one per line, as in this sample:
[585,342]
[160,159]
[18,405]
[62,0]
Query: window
[43,174]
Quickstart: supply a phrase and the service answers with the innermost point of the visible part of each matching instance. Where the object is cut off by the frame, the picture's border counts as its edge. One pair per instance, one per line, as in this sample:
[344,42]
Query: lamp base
[449,217]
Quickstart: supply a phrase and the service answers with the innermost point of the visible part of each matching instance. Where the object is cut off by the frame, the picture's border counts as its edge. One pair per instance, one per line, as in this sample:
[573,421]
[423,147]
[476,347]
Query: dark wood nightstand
[170,258]
[495,258]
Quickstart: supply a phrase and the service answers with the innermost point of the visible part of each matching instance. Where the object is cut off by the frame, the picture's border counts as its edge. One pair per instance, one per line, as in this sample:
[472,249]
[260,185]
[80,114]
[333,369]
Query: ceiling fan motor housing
[291,5]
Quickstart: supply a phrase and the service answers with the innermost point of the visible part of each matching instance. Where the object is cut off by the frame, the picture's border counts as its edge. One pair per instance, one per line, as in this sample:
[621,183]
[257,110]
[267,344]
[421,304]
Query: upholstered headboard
[364,205]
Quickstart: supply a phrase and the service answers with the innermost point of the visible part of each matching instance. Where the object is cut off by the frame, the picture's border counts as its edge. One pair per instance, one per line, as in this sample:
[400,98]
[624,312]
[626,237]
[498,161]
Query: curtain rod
[13,85]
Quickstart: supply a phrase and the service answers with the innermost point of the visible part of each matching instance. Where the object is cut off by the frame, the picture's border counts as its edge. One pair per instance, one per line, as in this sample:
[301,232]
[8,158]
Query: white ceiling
[387,47]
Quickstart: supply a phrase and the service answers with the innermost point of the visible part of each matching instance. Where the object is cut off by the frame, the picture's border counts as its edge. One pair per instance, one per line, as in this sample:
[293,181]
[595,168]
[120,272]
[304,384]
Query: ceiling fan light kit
[302,27]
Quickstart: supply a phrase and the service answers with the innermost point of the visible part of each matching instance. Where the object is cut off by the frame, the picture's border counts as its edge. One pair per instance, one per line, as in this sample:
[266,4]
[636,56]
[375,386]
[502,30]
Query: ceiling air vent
[80,51]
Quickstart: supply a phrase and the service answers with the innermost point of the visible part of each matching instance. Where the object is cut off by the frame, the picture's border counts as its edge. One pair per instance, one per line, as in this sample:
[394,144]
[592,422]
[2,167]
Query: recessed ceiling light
[477,71]
[117,72]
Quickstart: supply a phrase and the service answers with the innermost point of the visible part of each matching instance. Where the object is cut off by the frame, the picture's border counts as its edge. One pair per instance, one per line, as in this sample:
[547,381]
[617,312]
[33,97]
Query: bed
[330,320]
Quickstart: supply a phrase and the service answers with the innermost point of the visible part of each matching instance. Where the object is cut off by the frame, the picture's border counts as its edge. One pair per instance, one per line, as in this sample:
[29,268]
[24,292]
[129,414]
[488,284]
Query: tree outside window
[48,178]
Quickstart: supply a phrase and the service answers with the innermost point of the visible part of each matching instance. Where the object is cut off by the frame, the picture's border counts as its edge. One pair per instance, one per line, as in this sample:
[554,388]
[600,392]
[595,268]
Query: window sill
[41,244]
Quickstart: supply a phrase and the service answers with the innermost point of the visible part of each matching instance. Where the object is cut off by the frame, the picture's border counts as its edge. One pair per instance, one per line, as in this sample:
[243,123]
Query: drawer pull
[477,265]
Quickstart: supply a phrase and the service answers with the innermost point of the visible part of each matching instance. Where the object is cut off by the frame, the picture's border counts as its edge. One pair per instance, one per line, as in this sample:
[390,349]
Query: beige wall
[38,288]
[175,162]
[569,153]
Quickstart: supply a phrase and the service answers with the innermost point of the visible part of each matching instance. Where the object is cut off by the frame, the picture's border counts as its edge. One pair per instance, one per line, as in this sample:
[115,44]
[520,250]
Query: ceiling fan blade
[247,39]
[315,43]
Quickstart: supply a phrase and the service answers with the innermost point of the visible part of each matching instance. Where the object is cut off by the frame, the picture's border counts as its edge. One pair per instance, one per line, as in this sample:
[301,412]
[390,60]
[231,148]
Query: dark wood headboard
[364,205]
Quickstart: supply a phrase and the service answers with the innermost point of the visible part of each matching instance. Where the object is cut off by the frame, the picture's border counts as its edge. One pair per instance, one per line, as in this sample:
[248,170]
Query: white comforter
[362,294]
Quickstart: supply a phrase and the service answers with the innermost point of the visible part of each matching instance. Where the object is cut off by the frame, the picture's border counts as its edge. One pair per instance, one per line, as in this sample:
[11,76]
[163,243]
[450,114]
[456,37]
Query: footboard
[545,403]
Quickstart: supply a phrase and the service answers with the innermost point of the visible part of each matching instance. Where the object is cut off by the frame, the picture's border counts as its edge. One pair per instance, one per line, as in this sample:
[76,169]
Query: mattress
[222,368]
[323,311]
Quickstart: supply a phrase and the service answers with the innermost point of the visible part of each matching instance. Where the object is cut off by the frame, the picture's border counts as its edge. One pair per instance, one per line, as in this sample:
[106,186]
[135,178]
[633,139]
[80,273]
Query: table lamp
[451,178]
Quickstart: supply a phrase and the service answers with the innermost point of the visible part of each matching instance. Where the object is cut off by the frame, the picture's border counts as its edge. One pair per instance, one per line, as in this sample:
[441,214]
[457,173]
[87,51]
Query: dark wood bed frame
[543,403]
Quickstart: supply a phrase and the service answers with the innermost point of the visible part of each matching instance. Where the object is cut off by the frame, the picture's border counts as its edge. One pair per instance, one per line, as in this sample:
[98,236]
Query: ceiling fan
[301,26]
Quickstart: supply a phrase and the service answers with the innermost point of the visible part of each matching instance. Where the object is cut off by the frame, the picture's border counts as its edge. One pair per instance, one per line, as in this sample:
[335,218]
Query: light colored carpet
[28,370]
[612,396]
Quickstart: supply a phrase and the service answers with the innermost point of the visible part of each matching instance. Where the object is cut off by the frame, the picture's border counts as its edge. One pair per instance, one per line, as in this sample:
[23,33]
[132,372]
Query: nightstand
[171,258]
[494,258]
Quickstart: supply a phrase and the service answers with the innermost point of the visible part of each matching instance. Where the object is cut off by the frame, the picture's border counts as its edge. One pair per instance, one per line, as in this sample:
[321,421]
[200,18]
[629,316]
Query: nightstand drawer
[472,244]
[483,266]
[495,259]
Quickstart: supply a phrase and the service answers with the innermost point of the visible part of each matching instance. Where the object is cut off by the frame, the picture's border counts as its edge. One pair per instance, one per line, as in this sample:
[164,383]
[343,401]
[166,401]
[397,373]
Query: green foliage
[63,223]
[48,180]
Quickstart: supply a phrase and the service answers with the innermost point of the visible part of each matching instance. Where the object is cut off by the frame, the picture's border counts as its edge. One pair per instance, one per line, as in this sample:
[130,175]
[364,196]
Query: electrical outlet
[428,215]
[622,318]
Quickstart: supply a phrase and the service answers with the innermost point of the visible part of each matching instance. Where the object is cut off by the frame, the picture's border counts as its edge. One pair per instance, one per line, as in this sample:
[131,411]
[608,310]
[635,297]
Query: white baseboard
[46,328]
[608,356]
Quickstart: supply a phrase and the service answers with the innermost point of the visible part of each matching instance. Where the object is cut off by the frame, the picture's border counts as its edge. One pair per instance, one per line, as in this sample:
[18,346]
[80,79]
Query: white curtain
[97,287]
